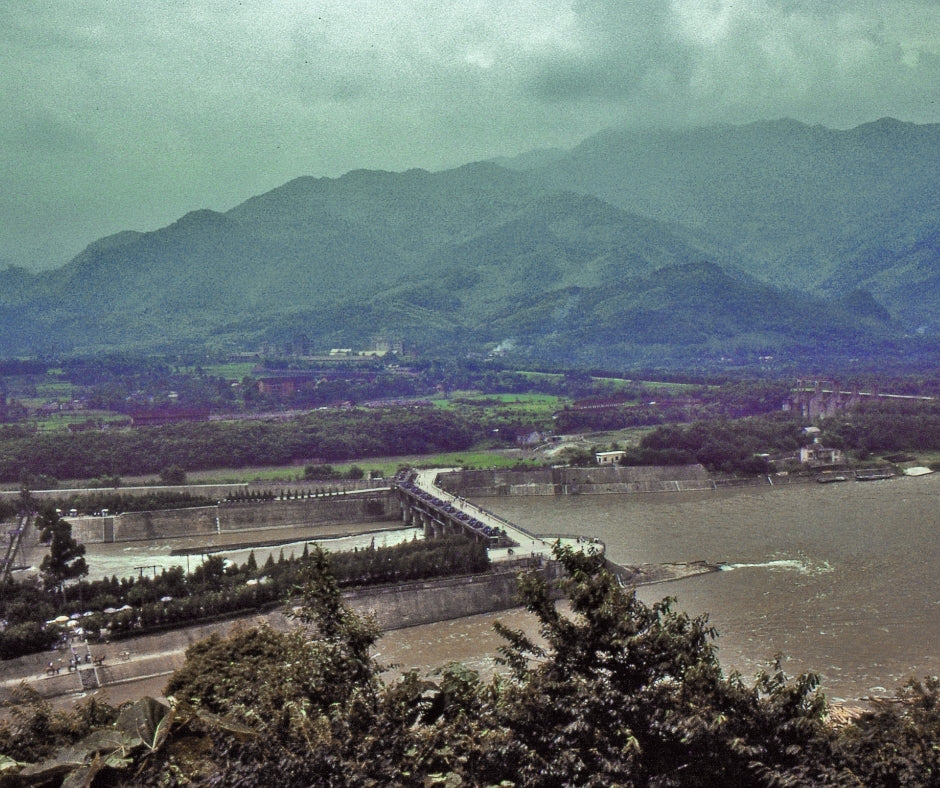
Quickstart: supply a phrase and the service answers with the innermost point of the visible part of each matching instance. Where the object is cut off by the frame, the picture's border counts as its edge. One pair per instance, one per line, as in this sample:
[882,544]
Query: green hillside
[768,239]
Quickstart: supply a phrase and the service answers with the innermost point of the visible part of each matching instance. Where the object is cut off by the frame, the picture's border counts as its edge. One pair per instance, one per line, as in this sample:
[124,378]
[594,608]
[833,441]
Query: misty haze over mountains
[773,238]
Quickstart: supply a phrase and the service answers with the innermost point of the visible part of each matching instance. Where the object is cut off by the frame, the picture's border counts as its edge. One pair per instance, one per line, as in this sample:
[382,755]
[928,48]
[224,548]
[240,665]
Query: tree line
[94,501]
[727,444]
[330,436]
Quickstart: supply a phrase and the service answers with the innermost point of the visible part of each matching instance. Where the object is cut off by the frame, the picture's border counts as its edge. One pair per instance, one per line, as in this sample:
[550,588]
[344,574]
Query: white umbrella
[61,619]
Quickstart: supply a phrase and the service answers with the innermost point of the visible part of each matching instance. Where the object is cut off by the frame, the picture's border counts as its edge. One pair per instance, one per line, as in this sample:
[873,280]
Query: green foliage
[728,446]
[173,475]
[26,637]
[882,426]
[281,682]
[897,742]
[31,728]
[623,693]
[65,560]
[321,472]
[115,502]
[333,435]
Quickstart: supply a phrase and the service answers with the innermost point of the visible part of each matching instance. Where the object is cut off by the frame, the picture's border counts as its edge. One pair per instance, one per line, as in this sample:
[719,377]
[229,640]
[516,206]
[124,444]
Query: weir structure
[439,513]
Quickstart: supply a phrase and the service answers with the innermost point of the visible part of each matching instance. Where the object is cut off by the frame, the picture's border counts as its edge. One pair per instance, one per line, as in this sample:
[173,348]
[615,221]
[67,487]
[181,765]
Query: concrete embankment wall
[229,517]
[411,604]
[607,479]
[578,481]
[215,491]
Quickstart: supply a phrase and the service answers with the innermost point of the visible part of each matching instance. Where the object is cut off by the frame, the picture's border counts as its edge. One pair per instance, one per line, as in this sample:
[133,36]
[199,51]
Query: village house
[816,455]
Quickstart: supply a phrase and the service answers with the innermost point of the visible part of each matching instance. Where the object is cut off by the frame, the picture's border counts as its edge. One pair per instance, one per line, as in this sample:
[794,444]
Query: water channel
[841,579]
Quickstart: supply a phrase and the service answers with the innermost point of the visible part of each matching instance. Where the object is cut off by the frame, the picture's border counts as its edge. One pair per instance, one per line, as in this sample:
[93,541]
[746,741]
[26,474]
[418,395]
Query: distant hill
[653,247]
[797,206]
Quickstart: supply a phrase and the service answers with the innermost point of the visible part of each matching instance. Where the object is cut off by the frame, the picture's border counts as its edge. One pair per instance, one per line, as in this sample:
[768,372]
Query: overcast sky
[126,115]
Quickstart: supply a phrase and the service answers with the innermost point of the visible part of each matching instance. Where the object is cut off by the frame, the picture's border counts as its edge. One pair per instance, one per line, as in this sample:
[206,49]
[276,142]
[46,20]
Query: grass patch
[528,407]
[388,466]
[471,459]
[51,390]
[59,422]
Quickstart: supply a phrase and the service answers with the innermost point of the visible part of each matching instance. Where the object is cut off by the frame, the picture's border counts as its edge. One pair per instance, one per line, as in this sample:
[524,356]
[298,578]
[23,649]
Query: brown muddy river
[841,579]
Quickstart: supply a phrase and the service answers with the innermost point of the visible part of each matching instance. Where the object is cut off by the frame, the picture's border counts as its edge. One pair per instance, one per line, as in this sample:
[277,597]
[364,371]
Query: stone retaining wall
[577,481]
[235,517]
[411,604]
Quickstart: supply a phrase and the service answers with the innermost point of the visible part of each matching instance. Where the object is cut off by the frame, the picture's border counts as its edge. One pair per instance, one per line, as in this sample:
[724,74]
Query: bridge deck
[504,539]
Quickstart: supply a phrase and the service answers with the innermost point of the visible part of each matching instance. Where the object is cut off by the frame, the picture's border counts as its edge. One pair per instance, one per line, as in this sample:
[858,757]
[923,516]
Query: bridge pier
[409,514]
[433,528]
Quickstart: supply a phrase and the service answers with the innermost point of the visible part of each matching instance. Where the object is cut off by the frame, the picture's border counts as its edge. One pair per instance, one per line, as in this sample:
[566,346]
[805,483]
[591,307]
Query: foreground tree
[65,560]
[625,693]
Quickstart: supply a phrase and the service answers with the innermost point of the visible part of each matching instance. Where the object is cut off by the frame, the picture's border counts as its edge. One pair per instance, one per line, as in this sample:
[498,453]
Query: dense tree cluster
[885,427]
[612,693]
[725,445]
[330,435]
[651,404]
[65,560]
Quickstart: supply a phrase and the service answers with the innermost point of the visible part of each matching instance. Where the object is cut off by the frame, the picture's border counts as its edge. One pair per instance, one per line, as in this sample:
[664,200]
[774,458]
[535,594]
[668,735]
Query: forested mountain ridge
[822,210]
[707,243]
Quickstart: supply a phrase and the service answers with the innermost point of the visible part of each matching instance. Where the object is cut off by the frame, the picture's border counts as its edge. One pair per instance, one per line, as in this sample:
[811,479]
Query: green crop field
[235,370]
[502,403]
[387,466]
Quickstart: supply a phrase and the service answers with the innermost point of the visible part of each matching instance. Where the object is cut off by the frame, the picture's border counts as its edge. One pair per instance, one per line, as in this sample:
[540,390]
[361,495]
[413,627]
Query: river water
[840,579]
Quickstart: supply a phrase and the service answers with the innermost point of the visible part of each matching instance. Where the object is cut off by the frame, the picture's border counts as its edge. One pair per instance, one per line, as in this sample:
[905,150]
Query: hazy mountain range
[653,247]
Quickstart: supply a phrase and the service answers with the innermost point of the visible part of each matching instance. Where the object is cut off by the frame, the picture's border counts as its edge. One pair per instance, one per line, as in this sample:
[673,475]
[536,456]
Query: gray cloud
[125,115]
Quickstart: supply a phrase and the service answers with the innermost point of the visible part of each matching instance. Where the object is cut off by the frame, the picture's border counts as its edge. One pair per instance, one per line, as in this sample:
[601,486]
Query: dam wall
[234,517]
[601,479]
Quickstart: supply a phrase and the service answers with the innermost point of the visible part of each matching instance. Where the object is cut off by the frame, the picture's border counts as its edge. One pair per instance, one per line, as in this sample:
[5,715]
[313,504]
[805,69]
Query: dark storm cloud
[125,115]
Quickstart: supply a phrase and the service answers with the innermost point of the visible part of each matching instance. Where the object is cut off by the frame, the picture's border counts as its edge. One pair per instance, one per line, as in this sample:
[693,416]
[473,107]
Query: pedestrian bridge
[423,504]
